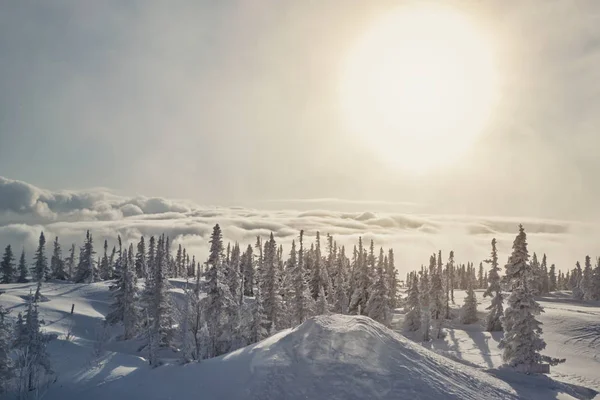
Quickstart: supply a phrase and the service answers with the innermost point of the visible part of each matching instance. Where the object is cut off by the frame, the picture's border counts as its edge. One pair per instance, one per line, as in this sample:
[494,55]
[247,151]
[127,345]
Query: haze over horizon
[239,104]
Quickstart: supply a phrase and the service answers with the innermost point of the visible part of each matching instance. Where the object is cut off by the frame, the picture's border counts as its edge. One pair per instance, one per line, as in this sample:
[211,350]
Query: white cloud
[413,237]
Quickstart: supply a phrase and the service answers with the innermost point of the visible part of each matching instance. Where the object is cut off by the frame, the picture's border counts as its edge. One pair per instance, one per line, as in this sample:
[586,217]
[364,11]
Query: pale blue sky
[235,102]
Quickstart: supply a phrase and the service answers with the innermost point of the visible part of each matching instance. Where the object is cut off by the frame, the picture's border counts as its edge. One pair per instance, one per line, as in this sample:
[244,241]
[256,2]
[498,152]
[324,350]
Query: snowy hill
[327,357]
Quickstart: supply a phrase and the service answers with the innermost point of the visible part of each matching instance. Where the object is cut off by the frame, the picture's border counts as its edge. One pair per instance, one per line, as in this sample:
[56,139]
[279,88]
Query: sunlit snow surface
[329,357]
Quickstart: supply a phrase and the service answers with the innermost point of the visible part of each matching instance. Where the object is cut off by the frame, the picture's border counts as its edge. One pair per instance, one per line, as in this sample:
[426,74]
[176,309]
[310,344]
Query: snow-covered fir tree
[270,285]
[57,264]
[496,308]
[340,301]
[32,358]
[301,301]
[552,282]
[125,307]
[522,341]
[22,269]
[596,281]
[378,305]
[70,262]
[40,267]
[587,282]
[468,312]
[6,361]
[412,320]
[220,304]
[247,267]
[104,269]
[436,298]
[576,282]
[392,276]
[360,294]
[7,266]
[257,329]
[85,267]
[424,303]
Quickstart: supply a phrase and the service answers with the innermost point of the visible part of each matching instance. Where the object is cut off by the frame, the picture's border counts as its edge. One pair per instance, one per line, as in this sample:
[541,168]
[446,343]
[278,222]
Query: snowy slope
[334,357]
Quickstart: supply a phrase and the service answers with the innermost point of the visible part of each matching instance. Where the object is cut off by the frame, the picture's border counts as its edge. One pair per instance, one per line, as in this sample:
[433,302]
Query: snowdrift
[327,357]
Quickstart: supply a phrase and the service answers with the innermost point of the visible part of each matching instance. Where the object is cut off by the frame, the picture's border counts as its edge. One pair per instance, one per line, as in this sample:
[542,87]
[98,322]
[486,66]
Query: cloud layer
[25,210]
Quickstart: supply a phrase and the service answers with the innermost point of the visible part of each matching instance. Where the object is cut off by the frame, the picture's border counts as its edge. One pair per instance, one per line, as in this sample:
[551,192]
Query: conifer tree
[22,268]
[85,268]
[221,306]
[552,284]
[412,320]
[30,345]
[480,277]
[378,305]
[436,298]
[341,285]
[301,302]
[392,275]
[57,264]
[104,269]
[234,277]
[596,281]
[6,362]
[576,282]
[40,266]
[140,259]
[258,320]
[496,309]
[424,306]
[522,340]
[587,282]
[7,266]
[248,271]
[125,308]
[360,296]
[468,313]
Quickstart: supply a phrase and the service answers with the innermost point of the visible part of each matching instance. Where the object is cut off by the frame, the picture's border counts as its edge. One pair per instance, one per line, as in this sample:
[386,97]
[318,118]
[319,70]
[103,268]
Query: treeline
[87,268]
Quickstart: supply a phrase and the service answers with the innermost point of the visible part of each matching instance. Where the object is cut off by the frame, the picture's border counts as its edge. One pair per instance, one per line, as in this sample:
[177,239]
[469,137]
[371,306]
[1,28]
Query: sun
[419,86]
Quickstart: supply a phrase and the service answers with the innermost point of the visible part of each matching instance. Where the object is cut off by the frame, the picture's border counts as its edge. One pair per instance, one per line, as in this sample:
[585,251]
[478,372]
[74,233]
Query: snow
[328,357]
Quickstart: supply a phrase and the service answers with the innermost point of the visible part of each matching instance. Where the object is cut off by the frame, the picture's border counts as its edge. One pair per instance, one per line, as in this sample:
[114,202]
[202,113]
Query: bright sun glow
[419,86]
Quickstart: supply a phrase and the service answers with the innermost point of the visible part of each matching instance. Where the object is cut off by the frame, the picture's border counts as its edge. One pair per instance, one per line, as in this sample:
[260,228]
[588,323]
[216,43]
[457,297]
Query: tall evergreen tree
[587,282]
[412,320]
[378,305]
[552,284]
[436,298]
[22,268]
[125,308]
[468,313]
[6,362]
[341,300]
[360,295]
[7,266]
[247,268]
[301,302]
[596,281]
[496,309]
[424,303]
[40,266]
[85,268]
[104,268]
[140,259]
[522,340]
[70,262]
[57,264]
[392,275]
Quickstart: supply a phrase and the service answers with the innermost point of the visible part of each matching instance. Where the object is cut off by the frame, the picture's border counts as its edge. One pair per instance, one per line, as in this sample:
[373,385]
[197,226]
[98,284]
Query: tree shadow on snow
[540,386]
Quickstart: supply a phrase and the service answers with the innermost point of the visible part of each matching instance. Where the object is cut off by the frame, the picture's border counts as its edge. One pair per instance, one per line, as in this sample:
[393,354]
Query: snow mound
[327,357]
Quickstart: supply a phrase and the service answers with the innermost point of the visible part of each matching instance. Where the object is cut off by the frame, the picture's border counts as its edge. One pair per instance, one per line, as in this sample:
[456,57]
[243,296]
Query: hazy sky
[236,102]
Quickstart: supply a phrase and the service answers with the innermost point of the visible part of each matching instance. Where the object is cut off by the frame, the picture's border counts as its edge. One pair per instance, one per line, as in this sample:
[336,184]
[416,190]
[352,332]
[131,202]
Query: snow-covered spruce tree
[496,309]
[552,283]
[436,300]
[40,267]
[70,262]
[412,320]
[30,345]
[193,337]
[6,362]
[596,281]
[340,303]
[118,264]
[104,268]
[125,307]
[322,307]
[360,294]
[270,285]
[234,277]
[248,271]
[258,322]
[424,305]
[468,312]
[7,266]
[392,276]
[480,276]
[221,307]
[378,306]
[587,282]
[576,282]
[22,269]
[85,266]
[57,264]
[522,340]
[316,278]
[301,301]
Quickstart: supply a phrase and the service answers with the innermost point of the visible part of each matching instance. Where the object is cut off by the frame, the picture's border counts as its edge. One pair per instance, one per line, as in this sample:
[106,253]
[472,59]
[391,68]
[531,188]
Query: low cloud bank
[25,210]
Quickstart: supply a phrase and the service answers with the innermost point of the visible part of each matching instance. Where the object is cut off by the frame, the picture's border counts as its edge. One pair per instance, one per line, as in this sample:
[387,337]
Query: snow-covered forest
[242,294]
